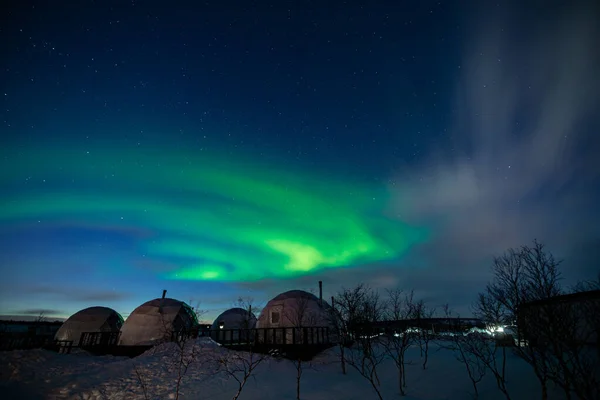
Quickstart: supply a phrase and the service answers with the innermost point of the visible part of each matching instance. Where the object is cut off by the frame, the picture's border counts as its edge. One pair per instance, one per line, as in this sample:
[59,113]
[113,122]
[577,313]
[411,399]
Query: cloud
[40,312]
[522,158]
[74,294]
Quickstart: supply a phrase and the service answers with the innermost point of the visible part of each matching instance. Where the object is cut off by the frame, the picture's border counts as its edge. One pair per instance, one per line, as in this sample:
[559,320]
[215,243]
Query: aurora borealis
[217,219]
[219,151]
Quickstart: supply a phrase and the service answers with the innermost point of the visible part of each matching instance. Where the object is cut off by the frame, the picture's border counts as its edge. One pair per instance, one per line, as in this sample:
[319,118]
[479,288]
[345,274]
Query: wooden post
[304,335]
[294,335]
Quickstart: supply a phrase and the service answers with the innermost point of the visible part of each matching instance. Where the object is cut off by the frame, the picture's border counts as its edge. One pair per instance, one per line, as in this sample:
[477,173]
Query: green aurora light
[218,219]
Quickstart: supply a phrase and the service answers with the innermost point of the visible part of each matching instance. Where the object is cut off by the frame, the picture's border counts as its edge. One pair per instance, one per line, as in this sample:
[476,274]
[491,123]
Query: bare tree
[401,307]
[520,276]
[586,286]
[344,317]
[40,318]
[338,326]
[299,316]
[420,312]
[141,381]
[461,347]
[366,353]
[247,303]
[240,366]
[188,350]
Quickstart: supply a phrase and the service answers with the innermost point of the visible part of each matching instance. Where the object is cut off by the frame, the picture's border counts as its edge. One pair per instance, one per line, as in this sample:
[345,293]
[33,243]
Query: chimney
[164,293]
[321,293]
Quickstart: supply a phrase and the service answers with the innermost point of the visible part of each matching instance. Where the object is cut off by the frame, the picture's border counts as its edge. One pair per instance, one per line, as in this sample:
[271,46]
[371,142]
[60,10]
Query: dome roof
[92,319]
[235,318]
[161,302]
[235,310]
[94,313]
[294,294]
[155,320]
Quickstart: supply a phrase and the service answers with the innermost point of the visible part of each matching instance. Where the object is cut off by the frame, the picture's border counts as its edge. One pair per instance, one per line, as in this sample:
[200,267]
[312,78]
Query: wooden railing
[288,336]
[98,339]
[28,342]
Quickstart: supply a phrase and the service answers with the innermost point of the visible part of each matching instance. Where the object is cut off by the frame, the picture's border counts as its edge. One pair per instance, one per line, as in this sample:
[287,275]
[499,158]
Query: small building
[92,319]
[293,317]
[574,318]
[156,321]
[235,318]
[233,325]
[294,308]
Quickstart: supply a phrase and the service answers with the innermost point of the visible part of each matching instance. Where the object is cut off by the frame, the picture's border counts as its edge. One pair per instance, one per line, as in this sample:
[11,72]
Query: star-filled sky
[236,148]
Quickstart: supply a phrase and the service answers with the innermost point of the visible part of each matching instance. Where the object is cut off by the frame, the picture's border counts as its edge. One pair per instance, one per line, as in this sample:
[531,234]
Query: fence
[98,339]
[289,336]
[260,339]
[28,342]
[23,341]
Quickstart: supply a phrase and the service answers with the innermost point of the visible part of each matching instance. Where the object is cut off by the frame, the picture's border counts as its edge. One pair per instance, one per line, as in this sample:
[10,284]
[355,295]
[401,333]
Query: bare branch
[357,309]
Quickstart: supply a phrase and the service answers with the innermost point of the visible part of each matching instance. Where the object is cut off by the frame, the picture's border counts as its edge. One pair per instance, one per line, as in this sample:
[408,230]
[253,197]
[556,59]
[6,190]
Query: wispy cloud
[74,294]
[40,312]
[522,161]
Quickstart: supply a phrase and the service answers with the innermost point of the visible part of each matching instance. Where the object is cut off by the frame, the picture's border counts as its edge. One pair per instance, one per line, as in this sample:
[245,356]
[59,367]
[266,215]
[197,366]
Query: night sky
[219,149]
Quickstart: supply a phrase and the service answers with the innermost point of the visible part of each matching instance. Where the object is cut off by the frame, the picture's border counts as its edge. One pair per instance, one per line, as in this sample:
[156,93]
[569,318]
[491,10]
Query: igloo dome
[294,308]
[155,320]
[92,319]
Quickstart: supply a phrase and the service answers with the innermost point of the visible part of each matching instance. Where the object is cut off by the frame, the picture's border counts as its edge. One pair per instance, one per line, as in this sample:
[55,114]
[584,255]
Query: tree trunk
[544,390]
[372,380]
[343,360]
[375,373]
[298,376]
[403,371]
[400,381]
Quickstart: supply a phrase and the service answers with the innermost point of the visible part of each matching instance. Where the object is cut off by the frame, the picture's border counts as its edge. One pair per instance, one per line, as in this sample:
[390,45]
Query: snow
[40,374]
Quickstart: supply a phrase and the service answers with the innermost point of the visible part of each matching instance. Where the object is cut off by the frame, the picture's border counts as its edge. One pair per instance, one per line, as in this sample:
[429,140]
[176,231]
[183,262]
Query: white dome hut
[156,320]
[233,325]
[92,319]
[307,314]
[235,318]
[294,308]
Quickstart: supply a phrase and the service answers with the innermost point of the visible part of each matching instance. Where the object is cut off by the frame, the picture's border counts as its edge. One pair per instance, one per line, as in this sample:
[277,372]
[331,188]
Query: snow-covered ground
[39,374]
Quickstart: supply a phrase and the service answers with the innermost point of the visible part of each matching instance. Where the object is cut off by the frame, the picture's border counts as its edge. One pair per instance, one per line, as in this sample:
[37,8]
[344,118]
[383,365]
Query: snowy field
[40,374]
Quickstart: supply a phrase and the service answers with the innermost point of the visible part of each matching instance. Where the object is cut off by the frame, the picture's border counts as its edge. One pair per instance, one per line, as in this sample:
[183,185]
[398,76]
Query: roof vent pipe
[164,293]
[321,293]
